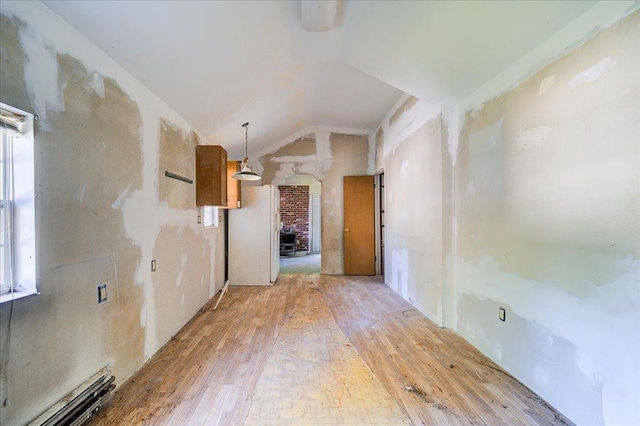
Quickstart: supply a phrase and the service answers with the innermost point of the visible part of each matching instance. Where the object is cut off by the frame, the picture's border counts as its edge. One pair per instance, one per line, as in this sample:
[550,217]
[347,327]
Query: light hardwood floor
[316,349]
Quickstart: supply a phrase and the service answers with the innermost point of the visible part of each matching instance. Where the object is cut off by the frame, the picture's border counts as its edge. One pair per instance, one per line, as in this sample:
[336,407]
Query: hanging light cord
[246,143]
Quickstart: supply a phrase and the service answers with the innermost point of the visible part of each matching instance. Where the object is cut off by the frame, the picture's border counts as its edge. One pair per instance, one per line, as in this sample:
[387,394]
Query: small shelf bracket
[178,177]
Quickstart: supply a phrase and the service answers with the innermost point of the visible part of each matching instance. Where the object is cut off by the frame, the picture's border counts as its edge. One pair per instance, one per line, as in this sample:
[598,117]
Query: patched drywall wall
[379,150]
[102,214]
[178,156]
[184,275]
[548,200]
[328,157]
[307,180]
[411,148]
[349,153]
[402,109]
[290,159]
[413,195]
[538,196]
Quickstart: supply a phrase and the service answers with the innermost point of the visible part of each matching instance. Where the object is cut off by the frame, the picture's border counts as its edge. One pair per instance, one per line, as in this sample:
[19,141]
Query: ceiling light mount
[246,173]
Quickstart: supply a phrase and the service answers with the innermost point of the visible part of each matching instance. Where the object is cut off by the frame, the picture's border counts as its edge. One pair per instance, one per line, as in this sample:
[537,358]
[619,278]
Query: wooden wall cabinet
[211,175]
[234,186]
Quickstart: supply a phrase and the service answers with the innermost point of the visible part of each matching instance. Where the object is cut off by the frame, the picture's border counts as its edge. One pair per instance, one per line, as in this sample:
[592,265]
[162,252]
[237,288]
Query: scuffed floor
[318,349]
[300,264]
[315,377]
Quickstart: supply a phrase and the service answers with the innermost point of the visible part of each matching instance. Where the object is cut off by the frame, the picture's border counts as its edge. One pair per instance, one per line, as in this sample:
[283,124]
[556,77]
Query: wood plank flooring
[317,349]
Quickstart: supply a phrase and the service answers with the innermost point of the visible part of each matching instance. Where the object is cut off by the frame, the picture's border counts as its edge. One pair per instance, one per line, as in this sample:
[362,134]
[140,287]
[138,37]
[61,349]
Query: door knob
[346,229]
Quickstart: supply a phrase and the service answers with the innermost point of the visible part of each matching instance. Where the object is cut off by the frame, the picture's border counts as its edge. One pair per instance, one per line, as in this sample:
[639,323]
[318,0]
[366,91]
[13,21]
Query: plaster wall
[547,206]
[328,156]
[104,210]
[410,147]
[306,180]
[536,209]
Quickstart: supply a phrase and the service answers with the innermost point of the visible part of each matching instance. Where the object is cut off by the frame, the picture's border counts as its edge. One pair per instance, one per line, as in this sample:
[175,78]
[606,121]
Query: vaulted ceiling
[222,63]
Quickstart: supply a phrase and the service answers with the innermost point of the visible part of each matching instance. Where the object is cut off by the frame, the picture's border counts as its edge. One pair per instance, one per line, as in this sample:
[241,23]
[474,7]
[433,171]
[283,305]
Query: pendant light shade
[246,173]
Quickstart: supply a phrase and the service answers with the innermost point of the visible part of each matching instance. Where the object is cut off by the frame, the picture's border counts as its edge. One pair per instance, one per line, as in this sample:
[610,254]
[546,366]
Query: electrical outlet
[502,314]
[153,265]
[102,293]
[199,219]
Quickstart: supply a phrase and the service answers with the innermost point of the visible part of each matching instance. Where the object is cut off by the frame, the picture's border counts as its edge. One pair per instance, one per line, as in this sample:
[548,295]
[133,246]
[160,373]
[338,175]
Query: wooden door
[359,226]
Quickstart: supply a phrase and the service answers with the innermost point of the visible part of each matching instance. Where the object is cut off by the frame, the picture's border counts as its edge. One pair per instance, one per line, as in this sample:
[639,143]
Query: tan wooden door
[359,226]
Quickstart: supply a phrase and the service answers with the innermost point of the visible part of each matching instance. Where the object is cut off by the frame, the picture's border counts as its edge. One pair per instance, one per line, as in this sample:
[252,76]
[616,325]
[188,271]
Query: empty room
[460,242]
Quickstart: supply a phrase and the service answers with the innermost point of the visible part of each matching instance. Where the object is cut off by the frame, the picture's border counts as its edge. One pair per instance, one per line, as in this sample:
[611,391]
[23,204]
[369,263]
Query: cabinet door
[234,186]
[211,175]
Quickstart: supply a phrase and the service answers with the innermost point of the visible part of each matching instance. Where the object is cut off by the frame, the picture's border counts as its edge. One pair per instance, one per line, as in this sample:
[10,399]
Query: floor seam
[400,406]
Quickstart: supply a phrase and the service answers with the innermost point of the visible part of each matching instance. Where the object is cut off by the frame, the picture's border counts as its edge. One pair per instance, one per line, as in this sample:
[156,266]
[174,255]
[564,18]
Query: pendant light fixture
[246,173]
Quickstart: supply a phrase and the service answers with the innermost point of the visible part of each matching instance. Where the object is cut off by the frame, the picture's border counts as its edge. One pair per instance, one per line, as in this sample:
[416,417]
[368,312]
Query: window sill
[7,297]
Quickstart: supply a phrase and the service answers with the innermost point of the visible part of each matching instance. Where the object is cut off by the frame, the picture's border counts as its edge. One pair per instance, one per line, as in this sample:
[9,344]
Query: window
[210,216]
[17,205]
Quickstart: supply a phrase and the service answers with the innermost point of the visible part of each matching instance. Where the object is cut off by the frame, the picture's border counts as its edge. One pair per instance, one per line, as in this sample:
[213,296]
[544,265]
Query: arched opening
[300,224]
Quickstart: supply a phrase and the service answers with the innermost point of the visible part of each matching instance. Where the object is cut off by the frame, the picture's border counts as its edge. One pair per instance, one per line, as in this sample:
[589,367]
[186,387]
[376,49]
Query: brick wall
[294,212]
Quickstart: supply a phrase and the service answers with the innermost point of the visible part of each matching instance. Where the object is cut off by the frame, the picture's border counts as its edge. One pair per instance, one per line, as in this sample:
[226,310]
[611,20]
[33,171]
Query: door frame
[379,220]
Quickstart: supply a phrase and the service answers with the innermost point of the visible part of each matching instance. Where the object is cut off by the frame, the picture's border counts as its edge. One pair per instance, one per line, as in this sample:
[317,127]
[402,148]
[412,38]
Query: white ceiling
[222,63]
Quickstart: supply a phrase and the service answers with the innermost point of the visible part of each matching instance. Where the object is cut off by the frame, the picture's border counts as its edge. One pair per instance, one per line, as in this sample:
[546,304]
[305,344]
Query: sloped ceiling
[222,63]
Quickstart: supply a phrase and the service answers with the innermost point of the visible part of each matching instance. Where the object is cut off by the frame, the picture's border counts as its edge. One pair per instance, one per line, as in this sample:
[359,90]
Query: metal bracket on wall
[178,177]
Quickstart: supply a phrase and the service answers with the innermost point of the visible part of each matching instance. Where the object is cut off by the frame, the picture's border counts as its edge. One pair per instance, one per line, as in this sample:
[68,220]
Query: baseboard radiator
[81,404]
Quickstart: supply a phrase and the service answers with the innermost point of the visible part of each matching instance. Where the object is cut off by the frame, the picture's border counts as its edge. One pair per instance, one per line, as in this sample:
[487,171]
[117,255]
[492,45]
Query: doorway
[300,224]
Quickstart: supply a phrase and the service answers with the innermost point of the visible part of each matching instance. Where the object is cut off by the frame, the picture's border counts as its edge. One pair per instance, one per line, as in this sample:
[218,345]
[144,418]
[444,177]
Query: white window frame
[17,196]
[210,216]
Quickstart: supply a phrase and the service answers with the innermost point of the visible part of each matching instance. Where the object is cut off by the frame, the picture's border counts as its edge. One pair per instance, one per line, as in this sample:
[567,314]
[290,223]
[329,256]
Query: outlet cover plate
[502,314]
[102,293]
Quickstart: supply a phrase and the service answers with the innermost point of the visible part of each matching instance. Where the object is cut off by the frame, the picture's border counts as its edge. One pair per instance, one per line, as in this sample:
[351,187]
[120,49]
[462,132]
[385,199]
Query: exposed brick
[294,212]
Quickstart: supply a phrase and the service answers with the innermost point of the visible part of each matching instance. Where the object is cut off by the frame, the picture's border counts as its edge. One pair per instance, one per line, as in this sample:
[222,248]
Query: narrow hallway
[318,349]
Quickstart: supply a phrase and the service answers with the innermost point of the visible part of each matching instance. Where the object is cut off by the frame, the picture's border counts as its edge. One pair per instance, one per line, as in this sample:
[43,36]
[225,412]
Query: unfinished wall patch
[413,219]
[97,216]
[535,137]
[558,242]
[41,75]
[379,150]
[485,160]
[350,154]
[293,158]
[178,284]
[406,106]
[593,73]
[88,153]
[177,155]
[546,84]
[328,157]
[13,61]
